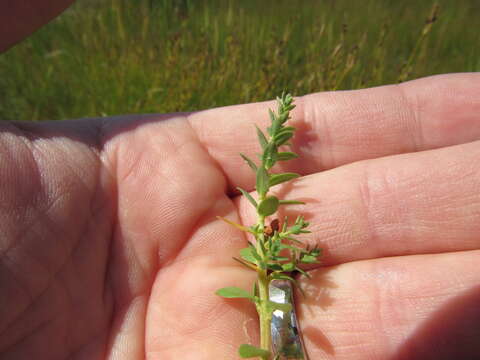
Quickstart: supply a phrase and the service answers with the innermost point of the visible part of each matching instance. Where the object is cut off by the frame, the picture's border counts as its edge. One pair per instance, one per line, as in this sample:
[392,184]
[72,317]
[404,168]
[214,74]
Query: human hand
[111,249]
[18,19]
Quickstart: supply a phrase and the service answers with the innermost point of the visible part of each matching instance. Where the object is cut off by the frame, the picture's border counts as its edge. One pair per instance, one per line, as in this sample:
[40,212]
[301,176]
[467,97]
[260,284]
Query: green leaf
[234,224]
[276,179]
[248,196]
[261,138]
[250,162]
[315,252]
[262,181]
[291,202]
[276,246]
[286,155]
[272,116]
[282,137]
[288,128]
[283,117]
[309,259]
[310,256]
[275,123]
[269,156]
[234,292]
[292,239]
[261,251]
[250,254]
[246,263]
[280,258]
[255,289]
[289,247]
[268,206]
[274,267]
[303,272]
[248,351]
[288,267]
[254,229]
[279,276]
[275,127]
[299,226]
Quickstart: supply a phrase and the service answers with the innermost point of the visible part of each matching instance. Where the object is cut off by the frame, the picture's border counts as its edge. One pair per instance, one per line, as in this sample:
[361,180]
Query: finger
[20,18]
[410,307]
[336,128]
[405,204]
[185,318]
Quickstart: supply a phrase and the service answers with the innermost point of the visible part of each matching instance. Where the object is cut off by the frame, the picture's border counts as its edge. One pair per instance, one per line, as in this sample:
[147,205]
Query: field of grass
[138,56]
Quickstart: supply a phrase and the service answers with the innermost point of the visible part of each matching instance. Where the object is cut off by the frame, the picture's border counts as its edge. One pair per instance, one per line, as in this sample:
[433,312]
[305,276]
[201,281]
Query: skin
[19,18]
[110,247]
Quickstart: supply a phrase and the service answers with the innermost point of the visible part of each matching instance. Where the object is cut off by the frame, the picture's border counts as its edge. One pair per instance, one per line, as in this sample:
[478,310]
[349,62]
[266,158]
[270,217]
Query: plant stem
[264,313]
[267,257]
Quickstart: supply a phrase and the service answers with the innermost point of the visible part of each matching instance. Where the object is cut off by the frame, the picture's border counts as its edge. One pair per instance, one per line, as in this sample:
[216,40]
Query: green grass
[139,56]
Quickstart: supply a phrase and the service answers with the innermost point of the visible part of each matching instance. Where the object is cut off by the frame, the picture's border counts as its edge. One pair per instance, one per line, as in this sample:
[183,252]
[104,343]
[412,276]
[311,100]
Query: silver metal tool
[287,340]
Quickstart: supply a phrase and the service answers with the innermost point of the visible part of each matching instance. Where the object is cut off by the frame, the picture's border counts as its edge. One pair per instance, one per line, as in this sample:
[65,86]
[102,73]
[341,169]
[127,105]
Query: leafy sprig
[276,253]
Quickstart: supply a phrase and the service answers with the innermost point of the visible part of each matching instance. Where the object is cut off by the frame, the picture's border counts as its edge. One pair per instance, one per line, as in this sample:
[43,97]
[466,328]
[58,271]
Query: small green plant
[276,252]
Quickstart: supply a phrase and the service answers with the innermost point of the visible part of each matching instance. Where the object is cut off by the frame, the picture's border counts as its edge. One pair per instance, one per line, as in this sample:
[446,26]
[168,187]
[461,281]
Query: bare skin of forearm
[20,18]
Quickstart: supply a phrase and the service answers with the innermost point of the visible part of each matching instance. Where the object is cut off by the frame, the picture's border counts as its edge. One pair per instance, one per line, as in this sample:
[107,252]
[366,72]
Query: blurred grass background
[139,56]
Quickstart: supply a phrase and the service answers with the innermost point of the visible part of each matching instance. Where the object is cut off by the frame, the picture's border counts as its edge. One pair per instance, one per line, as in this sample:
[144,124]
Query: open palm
[111,249]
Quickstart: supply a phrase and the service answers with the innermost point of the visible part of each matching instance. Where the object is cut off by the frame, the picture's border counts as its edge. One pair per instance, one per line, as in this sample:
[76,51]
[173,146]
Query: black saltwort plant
[276,253]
